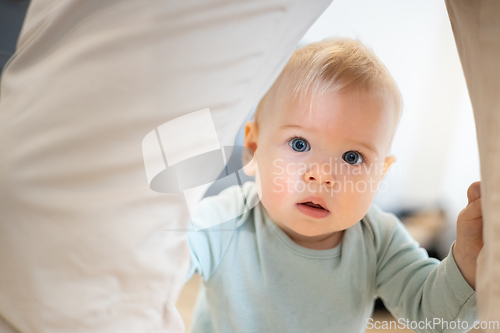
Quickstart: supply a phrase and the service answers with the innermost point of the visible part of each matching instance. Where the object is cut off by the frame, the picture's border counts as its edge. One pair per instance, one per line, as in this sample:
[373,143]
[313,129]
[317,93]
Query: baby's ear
[251,135]
[389,160]
[250,141]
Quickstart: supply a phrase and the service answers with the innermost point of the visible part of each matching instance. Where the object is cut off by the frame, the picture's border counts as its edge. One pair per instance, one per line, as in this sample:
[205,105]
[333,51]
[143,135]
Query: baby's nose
[319,177]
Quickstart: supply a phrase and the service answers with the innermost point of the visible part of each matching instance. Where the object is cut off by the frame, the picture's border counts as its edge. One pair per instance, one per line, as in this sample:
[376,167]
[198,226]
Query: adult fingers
[474,192]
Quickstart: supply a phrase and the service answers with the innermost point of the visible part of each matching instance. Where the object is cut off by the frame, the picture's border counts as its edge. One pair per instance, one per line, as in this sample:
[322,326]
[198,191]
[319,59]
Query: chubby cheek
[358,194]
[275,183]
[354,206]
[274,190]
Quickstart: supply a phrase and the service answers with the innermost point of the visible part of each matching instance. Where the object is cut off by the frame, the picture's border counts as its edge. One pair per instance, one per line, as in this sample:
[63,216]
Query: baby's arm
[207,246]
[417,289]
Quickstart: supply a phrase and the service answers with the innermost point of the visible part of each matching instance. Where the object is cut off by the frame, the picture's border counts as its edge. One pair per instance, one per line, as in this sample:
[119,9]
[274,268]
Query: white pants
[476,25]
[83,246]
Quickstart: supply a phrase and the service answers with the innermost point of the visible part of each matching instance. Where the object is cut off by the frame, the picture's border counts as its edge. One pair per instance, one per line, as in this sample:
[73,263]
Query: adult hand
[469,235]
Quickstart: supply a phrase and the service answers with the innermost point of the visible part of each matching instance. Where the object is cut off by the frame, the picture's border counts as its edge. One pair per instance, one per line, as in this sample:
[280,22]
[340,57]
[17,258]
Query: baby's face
[336,157]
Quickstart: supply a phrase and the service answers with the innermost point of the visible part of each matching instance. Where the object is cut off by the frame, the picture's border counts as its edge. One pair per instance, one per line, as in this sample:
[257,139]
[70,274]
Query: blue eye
[299,144]
[352,157]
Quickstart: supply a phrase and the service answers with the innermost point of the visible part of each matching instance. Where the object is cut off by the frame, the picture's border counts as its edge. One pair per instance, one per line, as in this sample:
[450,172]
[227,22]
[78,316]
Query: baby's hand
[469,235]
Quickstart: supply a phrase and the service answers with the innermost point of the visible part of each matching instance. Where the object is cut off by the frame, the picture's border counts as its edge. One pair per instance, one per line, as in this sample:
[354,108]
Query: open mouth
[314,210]
[313,205]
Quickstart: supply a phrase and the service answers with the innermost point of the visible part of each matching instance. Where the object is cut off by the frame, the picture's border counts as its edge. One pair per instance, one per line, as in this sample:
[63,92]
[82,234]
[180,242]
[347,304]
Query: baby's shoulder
[231,206]
[380,226]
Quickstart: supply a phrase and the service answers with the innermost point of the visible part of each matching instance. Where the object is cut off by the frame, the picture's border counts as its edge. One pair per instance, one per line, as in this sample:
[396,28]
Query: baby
[314,254]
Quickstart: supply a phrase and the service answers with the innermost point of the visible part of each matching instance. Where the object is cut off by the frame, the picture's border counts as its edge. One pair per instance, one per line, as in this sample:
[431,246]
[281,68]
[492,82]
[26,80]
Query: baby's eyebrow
[291,125]
[369,147]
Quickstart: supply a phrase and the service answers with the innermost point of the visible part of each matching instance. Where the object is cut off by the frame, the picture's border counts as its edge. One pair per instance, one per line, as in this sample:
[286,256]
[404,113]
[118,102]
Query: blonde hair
[332,65]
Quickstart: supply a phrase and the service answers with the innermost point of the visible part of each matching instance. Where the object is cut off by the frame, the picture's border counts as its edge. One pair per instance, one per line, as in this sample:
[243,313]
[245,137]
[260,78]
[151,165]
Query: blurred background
[435,144]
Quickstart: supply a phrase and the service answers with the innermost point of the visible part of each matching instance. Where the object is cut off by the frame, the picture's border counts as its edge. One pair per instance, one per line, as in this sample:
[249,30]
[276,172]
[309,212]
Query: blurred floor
[186,301]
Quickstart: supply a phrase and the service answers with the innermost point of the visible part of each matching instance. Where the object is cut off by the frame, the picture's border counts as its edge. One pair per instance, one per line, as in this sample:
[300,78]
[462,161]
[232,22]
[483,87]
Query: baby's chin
[310,229]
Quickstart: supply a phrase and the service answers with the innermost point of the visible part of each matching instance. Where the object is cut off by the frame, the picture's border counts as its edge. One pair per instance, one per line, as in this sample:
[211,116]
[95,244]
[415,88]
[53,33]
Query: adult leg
[476,26]
[83,246]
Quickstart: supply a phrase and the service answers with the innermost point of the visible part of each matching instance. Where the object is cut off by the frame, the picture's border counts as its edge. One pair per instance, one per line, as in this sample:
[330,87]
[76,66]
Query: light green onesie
[256,279]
